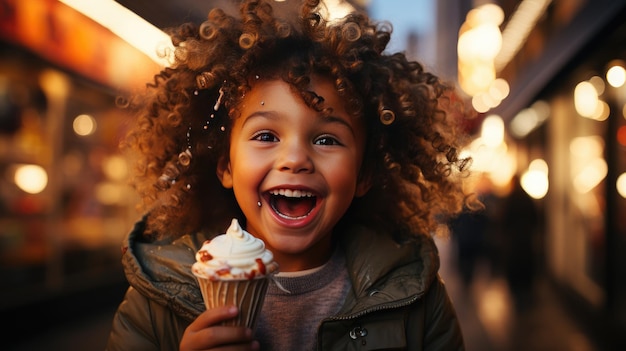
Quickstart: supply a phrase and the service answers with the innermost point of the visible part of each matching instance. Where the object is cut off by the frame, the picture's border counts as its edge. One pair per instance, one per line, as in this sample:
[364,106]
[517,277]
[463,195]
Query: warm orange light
[621,135]
[129,26]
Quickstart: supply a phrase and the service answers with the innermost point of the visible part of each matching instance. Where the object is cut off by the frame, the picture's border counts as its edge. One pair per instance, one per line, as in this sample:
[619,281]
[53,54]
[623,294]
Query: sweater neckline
[311,281]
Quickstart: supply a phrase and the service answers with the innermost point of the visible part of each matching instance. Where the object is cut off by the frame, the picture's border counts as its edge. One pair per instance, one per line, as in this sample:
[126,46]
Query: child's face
[300,166]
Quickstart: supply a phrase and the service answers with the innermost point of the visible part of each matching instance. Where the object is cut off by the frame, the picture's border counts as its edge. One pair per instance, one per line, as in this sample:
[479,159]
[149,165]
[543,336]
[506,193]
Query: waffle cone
[247,295]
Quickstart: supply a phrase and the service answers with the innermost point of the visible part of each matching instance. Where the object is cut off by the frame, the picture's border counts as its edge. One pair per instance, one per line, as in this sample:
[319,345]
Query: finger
[224,335]
[213,316]
[253,346]
[218,337]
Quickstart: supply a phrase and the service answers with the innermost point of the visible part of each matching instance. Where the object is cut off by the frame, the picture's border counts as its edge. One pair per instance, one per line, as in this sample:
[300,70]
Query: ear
[363,185]
[224,173]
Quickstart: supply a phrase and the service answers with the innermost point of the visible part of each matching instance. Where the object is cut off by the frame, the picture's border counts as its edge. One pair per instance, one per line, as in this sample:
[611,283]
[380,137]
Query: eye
[326,140]
[265,136]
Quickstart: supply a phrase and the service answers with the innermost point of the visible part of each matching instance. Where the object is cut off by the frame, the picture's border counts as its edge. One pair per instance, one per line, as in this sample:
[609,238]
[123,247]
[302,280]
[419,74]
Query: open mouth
[292,204]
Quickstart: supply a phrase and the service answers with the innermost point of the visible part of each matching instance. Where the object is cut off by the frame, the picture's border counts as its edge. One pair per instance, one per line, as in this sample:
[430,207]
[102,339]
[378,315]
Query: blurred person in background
[519,233]
[471,232]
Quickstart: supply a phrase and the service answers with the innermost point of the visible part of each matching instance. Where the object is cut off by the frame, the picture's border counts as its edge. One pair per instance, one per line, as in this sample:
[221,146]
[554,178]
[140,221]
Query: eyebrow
[275,116]
[265,114]
[339,120]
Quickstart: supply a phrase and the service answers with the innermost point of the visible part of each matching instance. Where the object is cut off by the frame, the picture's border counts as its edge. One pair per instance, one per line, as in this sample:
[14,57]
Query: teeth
[291,193]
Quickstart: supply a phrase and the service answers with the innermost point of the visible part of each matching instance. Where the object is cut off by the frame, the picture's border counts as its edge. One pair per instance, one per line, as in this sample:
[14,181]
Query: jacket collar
[381,271]
[385,272]
[161,270]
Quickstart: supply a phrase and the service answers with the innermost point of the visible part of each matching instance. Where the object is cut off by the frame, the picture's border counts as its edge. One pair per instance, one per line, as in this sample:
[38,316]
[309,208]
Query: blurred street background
[543,267]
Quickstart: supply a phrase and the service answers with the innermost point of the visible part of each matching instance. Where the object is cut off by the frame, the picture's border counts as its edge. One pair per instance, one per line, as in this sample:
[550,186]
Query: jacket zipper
[388,306]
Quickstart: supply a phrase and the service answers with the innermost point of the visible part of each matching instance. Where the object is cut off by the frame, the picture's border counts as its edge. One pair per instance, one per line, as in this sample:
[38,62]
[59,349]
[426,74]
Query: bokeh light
[621,185]
[616,76]
[535,180]
[492,131]
[84,125]
[621,135]
[32,179]
[585,99]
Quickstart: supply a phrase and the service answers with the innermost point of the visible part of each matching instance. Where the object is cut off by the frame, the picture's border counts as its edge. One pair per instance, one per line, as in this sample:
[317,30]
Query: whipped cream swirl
[234,255]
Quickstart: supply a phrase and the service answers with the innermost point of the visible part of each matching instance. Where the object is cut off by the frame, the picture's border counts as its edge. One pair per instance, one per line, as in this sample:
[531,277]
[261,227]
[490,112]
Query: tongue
[293,207]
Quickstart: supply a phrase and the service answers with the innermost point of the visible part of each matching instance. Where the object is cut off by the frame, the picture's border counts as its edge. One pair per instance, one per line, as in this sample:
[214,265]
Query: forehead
[276,89]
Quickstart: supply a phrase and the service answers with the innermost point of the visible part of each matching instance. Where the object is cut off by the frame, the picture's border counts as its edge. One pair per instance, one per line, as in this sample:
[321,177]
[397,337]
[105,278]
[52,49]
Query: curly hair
[184,118]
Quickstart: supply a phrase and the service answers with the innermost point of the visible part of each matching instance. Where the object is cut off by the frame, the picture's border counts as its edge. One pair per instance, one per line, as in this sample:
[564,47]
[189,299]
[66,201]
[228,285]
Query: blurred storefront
[563,111]
[64,202]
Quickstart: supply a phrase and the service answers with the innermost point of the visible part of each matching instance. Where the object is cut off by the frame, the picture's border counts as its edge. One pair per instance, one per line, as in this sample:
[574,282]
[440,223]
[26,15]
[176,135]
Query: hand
[205,333]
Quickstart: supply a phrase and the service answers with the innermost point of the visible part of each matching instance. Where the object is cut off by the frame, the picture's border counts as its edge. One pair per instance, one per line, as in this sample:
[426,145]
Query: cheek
[247,168]
[245,186]
[343,177]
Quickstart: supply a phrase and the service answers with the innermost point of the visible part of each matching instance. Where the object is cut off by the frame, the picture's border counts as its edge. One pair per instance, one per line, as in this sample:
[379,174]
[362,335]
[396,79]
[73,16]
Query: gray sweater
[310,299]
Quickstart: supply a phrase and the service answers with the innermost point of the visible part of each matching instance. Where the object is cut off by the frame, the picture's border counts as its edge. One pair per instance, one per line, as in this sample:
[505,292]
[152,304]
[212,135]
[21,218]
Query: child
[341,158]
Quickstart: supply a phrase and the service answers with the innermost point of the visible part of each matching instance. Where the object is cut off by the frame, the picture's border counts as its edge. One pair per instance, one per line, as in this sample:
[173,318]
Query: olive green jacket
[397,302]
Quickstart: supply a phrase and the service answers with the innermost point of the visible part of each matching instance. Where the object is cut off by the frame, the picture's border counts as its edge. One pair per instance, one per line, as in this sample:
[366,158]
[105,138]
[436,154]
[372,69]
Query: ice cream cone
[247,295]
[235,269]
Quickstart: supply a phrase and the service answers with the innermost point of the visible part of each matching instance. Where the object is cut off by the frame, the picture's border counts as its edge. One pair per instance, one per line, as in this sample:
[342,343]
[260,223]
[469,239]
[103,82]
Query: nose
[295,156]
